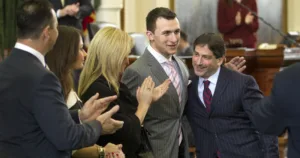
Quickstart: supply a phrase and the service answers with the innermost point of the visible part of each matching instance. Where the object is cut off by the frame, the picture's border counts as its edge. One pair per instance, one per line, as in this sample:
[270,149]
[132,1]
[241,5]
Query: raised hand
[238,18]
[144,93]
[160,90]
[94,107]
[236,64]
[109,125]
[249,18]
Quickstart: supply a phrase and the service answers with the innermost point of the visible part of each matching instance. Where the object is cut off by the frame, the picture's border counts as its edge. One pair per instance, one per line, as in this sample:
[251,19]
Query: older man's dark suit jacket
[281,110]
[85,9]
[227,128]
[34,120]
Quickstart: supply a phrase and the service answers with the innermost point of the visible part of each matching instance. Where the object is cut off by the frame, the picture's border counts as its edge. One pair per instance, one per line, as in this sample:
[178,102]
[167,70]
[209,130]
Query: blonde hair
[106,53]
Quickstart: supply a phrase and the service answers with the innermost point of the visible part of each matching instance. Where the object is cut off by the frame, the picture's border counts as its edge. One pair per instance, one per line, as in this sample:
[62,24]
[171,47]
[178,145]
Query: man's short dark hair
[156,13]
[32,17]
[183,35]
[214,42]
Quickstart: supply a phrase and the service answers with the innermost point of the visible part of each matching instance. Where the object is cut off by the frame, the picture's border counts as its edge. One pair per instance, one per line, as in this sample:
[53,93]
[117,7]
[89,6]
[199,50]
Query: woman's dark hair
[63,56]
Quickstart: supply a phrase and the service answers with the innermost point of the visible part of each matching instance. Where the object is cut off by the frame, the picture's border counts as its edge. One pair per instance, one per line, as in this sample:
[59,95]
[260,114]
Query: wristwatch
[101,152]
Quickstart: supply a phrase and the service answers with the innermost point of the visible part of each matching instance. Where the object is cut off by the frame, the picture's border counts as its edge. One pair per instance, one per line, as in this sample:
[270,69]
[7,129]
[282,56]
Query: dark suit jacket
[281,110]
[227,128]
[129,134]
[34,120]
[85,9]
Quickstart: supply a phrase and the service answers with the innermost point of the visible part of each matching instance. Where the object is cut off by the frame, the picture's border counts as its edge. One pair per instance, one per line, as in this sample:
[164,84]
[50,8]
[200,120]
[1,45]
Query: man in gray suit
[163,120]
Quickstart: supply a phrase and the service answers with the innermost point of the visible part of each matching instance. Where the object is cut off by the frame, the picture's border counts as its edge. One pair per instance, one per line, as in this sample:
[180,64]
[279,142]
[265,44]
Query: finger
[242,69]
[233,60]
[92,99]
[108,114]
[152,84]
[138,92]
[117,124]
[166,83]
[107,100]
[144,83]
[242,63]
[120,146]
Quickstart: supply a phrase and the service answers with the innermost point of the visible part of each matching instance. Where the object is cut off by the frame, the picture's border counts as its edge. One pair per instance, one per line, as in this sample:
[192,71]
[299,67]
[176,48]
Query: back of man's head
[183,36]
[214,42]
[156,13]
[32,17]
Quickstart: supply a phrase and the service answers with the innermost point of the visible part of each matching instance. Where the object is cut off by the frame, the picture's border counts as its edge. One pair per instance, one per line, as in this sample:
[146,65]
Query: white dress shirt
[32,51]
[213,79]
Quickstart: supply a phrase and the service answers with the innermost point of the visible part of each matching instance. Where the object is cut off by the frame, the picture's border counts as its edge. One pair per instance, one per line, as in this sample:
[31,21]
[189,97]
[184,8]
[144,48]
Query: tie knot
[206,83]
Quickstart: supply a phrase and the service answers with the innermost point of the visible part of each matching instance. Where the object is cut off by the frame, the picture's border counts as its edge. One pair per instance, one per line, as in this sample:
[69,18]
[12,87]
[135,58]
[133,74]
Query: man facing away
[219,106]
[34,120]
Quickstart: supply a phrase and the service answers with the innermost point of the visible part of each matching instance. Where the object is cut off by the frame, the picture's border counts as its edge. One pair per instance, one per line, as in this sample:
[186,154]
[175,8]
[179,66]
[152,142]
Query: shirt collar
[31,51]
[160,58]
[213,78]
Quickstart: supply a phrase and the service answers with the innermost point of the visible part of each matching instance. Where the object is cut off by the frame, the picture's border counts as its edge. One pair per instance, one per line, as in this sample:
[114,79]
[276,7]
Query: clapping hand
[249,18]
[236,64]
[113,151]
[94,107]
[144,93]
[238,18]
[160,90]
[109,125]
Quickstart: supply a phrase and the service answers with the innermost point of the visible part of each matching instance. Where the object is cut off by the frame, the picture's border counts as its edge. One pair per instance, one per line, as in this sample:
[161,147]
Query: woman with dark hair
[237,24]
[67,55]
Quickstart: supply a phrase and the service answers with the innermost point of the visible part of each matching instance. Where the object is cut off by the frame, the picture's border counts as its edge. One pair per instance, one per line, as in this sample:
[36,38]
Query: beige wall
[293,12]
[136,11]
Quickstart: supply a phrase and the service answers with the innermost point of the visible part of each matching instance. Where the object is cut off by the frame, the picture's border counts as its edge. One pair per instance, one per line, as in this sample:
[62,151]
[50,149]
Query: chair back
[140,43]
[94,27]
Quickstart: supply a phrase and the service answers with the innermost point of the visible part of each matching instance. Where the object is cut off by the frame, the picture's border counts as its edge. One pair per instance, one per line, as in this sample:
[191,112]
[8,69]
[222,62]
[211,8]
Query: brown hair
[159,12]
[62,57]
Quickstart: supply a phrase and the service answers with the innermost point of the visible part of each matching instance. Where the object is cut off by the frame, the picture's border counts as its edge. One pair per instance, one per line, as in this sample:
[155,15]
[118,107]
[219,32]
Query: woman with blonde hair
[67,55]
[106,61]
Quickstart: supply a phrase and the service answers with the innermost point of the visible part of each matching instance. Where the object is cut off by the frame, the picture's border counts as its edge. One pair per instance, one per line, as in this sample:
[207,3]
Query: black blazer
[85,9]
[281,111]
[228,128]
[34,120]
[129,135]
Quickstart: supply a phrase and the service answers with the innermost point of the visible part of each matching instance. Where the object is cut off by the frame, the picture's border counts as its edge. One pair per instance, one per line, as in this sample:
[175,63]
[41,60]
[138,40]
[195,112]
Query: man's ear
[150,35]
[221,60]
[46,32]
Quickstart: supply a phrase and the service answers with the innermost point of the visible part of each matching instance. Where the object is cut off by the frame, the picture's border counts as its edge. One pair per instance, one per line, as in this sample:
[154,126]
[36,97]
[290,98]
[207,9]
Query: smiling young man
[163,120]
[219,106]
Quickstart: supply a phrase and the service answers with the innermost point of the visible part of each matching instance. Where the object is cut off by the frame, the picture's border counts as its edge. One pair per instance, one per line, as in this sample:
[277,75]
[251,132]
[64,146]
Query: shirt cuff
[57,13]
[79,117]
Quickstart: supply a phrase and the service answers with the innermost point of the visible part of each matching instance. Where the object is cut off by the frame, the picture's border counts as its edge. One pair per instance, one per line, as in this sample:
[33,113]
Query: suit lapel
[160,74]
[221,86]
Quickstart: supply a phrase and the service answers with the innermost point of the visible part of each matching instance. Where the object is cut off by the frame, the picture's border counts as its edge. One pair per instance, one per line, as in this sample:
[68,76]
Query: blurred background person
[237,24]
[72,12]
[106,61]
[184,47]
[68,55]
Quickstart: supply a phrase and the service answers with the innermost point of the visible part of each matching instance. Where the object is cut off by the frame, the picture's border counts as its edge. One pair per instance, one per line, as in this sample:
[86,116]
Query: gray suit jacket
[163,120]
